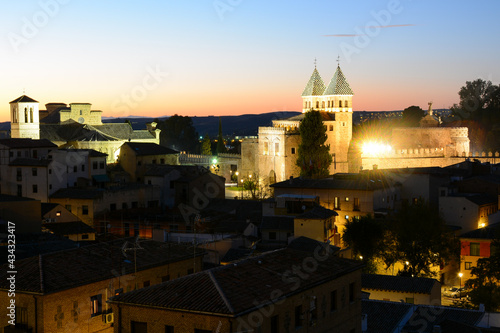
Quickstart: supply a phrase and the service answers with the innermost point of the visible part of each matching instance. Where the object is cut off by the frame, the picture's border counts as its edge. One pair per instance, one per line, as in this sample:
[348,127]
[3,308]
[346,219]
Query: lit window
[474,249]
[468,265]
[95,305]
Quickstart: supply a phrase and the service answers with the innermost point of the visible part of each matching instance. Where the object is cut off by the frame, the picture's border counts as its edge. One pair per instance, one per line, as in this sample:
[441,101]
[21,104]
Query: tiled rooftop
[397,283]
[237,288]
[57,271]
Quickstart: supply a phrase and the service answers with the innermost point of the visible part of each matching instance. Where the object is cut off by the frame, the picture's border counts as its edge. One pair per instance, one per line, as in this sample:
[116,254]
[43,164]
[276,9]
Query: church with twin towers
[273,155]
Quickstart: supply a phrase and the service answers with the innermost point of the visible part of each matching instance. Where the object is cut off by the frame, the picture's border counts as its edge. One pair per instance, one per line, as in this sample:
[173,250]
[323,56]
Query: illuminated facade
[275,151]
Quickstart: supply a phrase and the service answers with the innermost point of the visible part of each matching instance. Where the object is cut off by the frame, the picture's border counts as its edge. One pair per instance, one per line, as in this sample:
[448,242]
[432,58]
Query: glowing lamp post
[459,290]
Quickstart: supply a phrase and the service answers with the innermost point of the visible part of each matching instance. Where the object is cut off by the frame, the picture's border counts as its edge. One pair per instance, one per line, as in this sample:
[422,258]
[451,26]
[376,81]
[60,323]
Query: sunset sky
[231,57]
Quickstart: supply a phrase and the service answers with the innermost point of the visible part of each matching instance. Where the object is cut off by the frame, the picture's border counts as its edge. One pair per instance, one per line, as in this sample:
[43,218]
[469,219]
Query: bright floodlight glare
[372,148]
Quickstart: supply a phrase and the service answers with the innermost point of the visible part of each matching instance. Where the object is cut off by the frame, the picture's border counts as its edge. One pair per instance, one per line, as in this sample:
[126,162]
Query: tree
[475,97]
[206,145]
[485,287]
[364,235]
[314,157]
[419,239]
[127,121]
[479,110]
[412,116]
[221,147]
[415,236]
[178,133]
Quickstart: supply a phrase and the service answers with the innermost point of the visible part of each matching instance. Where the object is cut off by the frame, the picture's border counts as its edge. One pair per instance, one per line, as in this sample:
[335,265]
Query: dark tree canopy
[416,234]
[206,145]
[221,147]
[412,116]
[178,133]
[485,284]
[479,110]
[314,157]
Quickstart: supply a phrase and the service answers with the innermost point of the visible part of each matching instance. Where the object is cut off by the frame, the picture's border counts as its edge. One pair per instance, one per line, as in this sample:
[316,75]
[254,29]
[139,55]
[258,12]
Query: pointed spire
[338,85]
[315,86]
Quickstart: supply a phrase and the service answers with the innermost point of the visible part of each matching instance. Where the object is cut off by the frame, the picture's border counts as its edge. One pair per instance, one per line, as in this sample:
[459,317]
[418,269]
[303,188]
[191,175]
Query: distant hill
[243,125]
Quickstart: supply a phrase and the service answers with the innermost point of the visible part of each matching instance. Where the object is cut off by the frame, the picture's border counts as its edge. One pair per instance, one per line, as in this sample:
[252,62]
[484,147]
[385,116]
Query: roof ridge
[220,291]
[42,288]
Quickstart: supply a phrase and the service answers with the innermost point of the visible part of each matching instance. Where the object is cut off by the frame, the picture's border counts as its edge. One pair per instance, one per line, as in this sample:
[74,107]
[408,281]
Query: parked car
[455,292]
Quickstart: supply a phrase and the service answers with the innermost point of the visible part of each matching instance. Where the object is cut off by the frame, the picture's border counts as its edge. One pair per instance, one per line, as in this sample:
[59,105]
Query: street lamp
[460,290]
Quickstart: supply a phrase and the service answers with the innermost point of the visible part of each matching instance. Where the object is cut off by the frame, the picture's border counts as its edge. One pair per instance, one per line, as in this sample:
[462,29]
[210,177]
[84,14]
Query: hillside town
[106,228]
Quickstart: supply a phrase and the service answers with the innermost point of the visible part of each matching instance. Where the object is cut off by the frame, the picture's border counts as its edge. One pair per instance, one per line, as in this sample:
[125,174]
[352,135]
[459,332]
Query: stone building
[273,155]
[66,291]
[76,126]
[259,294]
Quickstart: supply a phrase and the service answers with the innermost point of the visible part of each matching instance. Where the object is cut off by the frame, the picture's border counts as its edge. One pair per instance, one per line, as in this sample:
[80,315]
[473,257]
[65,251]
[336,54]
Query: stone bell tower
[24,118]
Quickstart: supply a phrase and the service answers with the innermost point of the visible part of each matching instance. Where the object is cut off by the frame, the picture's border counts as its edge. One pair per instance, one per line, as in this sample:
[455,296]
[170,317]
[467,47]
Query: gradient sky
[231,57]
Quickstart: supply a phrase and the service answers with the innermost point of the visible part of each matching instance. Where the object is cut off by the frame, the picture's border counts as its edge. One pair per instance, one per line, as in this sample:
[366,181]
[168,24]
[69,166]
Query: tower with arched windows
[24,118]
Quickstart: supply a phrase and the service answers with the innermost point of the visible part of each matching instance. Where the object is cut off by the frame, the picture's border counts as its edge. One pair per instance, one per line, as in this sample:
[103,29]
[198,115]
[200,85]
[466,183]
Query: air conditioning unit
[107,318]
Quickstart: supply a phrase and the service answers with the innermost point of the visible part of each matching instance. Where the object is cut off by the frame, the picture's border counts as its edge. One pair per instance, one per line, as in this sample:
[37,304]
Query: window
[34,172]
[18,154]
[85,210]
[83,167]
[50,171]
[202,331]
[274,324]
[112,207]
[25,115]
[331,128]
[124,205]
[21,317]
[474,249]
[266,148]
[317,104]
[293,150]
[138,327]
[139,162]
[162,161]
[346,104]
[340,104]
[169,329]
[468,265]
[190,271]
[35,188]
[410,300]
[351,292]
[75,169]
[298,316]
[19,190]
[356,203]
[154,162]
[95,305]
[68,207]
[35,153]
[85,236]
[147,283]
[333,301]
[101,165]
[276,148]
[336,203]
[11,154]
[94,165]
[272,235]
[19,174]
[135,204]
[323,104]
